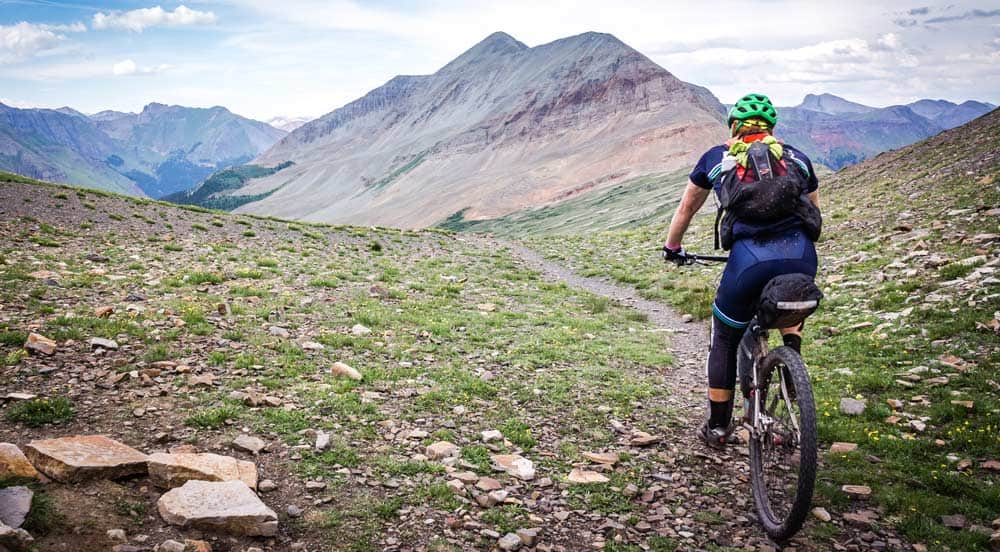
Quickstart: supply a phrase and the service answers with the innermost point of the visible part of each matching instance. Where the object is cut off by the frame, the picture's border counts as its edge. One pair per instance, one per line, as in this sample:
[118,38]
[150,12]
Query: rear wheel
[783,444]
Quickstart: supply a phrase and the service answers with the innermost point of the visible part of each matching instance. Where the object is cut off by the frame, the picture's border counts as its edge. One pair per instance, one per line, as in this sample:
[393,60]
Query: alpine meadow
[376,276]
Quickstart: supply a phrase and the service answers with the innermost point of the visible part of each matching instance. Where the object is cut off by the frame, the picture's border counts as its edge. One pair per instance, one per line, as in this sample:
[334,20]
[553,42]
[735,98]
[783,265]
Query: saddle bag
[787,300]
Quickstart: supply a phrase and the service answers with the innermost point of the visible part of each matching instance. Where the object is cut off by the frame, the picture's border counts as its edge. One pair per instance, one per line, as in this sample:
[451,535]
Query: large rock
[38,343]
[13,539]
[82,457]
[852,407]
[14,464]
[441,449]
[515,465]
[173,470]
[225,507]
[15,503]
[578,475]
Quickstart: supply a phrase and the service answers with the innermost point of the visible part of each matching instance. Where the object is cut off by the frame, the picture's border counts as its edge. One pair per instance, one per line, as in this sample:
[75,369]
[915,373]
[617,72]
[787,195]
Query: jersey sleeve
[802,158]
[700,174]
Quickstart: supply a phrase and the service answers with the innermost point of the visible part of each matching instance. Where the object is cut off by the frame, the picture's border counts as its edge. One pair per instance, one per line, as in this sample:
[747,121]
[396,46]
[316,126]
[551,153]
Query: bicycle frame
[753,348]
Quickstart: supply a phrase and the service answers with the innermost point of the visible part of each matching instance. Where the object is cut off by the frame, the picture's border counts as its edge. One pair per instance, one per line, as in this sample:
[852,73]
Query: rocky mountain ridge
[501,127]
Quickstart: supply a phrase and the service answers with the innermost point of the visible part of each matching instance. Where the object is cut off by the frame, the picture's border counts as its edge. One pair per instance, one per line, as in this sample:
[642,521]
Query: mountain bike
[779,410]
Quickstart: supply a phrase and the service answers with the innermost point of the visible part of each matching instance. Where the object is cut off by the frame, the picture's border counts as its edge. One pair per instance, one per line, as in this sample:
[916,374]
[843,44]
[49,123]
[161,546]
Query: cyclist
[758,253]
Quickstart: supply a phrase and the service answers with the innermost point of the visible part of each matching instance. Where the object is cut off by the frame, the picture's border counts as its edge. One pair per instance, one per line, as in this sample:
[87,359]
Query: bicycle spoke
[780,450]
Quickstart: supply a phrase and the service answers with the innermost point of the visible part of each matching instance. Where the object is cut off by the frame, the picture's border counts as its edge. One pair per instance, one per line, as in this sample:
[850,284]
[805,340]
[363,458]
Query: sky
[304,58]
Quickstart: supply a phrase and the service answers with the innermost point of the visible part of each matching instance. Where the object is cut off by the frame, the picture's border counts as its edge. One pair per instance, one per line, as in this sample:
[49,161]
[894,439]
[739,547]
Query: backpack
[766,190]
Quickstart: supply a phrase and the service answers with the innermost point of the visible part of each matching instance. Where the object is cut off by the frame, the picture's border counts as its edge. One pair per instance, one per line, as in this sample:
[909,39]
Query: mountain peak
[495,46]
[833,105]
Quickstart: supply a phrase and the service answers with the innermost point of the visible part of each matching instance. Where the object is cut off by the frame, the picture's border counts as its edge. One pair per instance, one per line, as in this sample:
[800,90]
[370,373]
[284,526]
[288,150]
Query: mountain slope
[180,146]
[501,127]
[162,150]
[838,133]
[949,115]
[53,145]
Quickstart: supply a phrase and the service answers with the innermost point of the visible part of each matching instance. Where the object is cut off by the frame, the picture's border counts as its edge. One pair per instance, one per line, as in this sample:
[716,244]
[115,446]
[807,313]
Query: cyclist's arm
[692,200]
[814,197]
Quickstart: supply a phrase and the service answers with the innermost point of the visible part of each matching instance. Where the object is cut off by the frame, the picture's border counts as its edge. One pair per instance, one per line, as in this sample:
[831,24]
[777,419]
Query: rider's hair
[754,125]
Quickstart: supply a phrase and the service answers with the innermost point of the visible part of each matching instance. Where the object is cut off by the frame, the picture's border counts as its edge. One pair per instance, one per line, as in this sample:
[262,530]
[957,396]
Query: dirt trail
[688,342]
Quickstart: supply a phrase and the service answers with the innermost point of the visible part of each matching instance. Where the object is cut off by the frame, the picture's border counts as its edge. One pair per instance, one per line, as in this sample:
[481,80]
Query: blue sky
[267,58]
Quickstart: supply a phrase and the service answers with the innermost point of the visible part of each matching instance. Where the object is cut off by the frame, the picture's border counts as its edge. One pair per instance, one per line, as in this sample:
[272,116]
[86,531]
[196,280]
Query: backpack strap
[759,155]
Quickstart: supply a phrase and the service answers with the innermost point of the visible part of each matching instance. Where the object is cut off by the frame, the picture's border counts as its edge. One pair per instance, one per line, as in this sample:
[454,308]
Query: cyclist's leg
[731,313]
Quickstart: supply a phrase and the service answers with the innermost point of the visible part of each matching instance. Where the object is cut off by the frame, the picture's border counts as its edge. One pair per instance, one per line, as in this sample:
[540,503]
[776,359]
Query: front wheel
[783,444]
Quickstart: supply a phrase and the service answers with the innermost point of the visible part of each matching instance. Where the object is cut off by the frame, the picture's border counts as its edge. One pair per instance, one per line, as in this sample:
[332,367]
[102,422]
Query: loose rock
[228,507]
[857,491]
[609,458]
[586,476]
[38,343]
[852,407]
[821,514]
[510,541]
[441,449]
[15,503]
[173,470]
[14,539]
[83,457]
[170,546]
[843,448]
[515,465]
[249,443]
[14,464]
[343,370]
[101,343]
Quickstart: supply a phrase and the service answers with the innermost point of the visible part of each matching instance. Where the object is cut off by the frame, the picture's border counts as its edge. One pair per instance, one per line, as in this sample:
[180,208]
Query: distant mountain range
[501,127]
[504,127]
[288,124]
[163,149]
[837,133]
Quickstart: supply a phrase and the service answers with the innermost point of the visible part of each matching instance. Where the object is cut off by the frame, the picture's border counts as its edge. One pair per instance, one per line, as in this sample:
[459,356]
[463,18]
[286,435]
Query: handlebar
[693,258]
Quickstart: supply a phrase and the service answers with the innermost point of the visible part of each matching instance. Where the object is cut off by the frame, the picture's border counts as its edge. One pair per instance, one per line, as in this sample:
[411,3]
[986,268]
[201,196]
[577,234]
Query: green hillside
[636,202]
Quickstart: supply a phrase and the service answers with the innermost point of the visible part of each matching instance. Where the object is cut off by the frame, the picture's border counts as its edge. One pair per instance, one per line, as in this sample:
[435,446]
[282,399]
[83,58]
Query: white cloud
[23,40]
[137,20]
[126,67]
[887,42]
[129,67]
[75,27]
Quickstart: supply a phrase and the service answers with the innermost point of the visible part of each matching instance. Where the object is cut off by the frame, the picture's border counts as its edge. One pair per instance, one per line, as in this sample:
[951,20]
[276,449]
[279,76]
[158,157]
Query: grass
[41,411]
[213,418]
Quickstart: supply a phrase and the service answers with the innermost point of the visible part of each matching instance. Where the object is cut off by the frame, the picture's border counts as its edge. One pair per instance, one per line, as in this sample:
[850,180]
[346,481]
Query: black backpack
[768,191]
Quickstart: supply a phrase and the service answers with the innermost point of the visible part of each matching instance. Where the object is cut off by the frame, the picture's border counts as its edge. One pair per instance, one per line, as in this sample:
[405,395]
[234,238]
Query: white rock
[15,503]
[491,435]
[343,370]
[322,441]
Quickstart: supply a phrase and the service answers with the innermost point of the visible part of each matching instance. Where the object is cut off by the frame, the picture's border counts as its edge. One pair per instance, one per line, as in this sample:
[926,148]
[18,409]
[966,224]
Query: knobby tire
[779,528]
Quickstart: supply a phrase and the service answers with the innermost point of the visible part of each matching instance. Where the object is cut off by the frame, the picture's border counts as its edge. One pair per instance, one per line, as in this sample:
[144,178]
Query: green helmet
[753,105]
